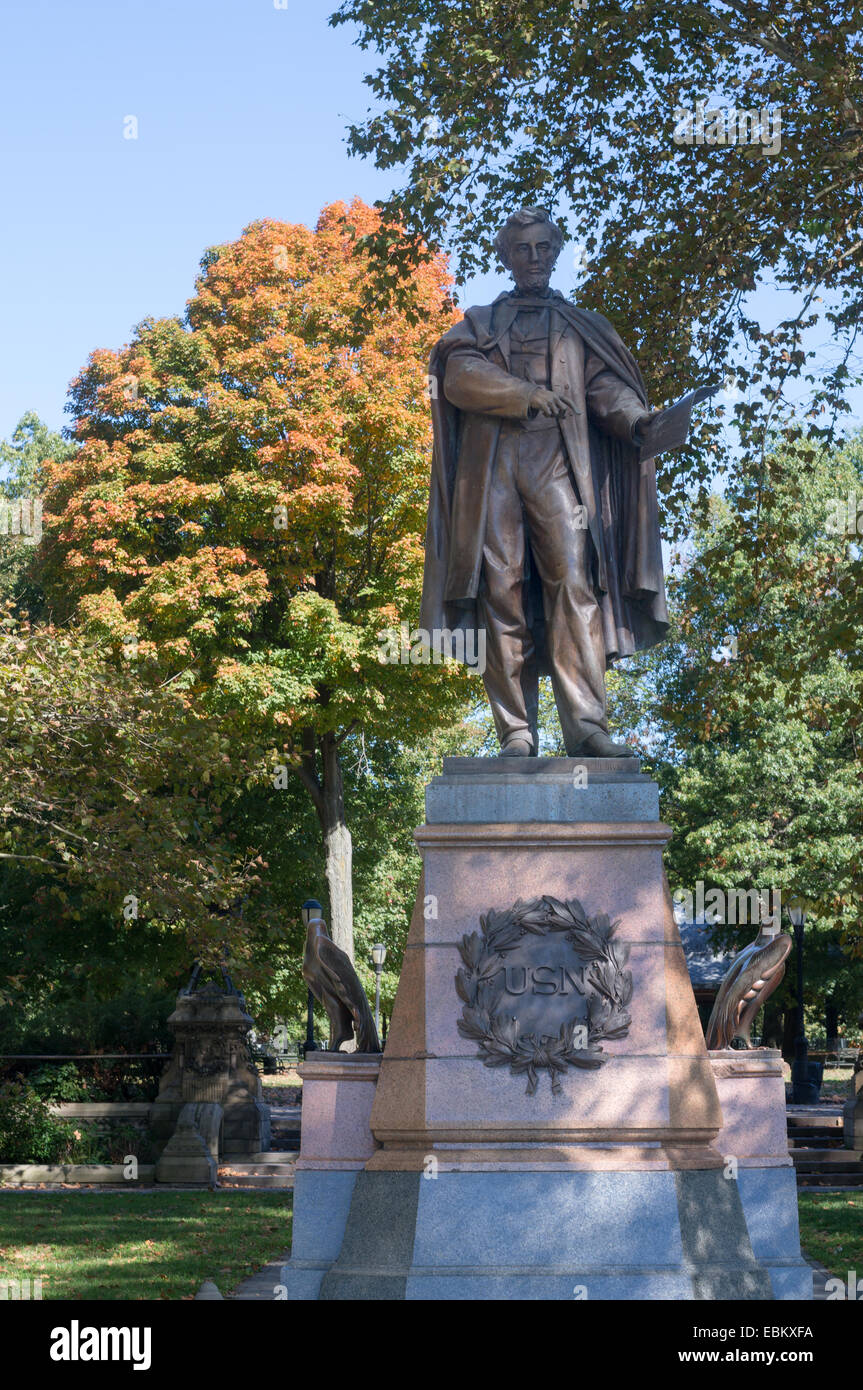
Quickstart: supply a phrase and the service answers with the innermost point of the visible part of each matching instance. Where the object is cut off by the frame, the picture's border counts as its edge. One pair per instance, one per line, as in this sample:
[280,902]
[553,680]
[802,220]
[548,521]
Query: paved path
[820,1275]
[260,1287]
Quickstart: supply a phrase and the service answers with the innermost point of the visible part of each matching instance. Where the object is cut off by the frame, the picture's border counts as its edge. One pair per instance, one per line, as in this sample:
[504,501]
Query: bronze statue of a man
[543,524]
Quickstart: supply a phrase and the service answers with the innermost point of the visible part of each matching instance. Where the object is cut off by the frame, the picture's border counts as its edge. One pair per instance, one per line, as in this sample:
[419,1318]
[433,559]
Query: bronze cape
[617,489]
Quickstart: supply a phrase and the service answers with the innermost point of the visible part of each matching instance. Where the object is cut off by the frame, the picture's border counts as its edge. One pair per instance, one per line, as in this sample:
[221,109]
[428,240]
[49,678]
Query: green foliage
[245,512]
[29,1133]
[21,460]
[61,1082]
[752,725]
[96,1080]
[384,782]
[109,792]
[485,106]
[22,456]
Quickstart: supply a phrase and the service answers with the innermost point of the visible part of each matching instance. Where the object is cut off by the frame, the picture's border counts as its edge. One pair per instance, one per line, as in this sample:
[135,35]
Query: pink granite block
[625,883]
[338,1091]
[630,1092]
[752,1096]
[655,1086]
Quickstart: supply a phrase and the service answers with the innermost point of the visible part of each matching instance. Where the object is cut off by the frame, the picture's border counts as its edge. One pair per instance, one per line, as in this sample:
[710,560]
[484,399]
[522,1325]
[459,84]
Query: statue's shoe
[517,748]
[599,745]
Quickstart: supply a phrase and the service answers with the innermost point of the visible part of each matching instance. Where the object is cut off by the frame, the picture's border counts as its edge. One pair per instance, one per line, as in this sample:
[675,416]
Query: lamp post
[803,1091]
[379,955]
[310,912]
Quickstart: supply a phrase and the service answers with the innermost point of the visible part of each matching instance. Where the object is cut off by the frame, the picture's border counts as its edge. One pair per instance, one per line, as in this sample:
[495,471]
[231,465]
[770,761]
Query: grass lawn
[837,1084]
[146,1245]
[831,1230]
[282,1090]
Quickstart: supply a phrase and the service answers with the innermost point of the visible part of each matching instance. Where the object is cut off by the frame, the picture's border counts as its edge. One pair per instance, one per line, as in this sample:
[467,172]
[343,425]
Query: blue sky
[241,111]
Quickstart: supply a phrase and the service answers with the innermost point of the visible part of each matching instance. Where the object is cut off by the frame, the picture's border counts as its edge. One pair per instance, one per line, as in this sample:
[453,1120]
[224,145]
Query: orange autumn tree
[245,513]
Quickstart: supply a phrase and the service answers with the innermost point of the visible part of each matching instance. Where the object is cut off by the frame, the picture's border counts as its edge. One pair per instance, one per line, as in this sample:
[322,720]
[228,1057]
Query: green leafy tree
[246,509]
[21,479]
[750,727]
[484,105]
[384,787]
[109,807]
[22,456]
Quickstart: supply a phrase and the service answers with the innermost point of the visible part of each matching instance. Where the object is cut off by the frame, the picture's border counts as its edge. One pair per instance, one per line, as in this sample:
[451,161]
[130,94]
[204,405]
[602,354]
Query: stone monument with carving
[210,1099]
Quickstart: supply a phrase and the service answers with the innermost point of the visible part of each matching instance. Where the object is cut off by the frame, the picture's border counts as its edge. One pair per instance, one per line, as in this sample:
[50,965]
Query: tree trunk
[328,798]
[337,847]
[831,1019]
[789,1033]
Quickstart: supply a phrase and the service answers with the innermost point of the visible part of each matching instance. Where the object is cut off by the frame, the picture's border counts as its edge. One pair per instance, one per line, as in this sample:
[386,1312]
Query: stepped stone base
[648,1170]
[754,1143]
[554,1236]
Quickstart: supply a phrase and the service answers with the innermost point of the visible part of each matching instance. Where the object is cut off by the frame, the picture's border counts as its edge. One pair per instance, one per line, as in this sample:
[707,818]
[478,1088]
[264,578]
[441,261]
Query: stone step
[256,1169]
[838,1176]
[289,1143]
[283,1182]
[831,1182]
[826,1158]
[267,1156]
[806,1120]
[289,1115]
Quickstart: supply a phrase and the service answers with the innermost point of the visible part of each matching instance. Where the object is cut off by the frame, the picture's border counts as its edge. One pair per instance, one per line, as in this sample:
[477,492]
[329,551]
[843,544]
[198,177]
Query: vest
[529,359]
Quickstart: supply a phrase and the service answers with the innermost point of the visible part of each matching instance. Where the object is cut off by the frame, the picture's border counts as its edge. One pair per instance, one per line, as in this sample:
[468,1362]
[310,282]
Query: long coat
[472,393]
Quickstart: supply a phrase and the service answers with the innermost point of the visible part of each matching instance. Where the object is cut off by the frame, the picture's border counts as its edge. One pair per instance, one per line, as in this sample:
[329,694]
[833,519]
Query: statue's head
[528,244]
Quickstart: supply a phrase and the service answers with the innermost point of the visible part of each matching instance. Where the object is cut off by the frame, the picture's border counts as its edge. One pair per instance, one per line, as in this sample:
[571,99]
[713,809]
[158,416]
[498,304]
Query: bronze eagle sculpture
[757,971]
[330,975]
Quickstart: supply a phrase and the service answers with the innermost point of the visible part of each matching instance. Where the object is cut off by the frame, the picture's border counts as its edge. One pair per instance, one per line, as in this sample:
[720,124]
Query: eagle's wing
[760,978]
[750,981]
[344,983]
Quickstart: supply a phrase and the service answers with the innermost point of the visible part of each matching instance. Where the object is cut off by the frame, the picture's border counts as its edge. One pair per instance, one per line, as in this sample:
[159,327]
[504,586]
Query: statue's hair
[524,217]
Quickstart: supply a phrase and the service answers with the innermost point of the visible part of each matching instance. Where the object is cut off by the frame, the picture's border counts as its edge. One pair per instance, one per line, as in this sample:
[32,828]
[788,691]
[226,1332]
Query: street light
[379,955]
[310,912]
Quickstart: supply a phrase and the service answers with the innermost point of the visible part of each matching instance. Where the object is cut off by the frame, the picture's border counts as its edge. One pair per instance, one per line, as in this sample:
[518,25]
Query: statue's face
[532,254]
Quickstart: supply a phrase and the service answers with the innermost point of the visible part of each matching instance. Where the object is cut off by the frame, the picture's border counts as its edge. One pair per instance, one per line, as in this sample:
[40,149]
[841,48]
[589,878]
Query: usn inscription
[543,985]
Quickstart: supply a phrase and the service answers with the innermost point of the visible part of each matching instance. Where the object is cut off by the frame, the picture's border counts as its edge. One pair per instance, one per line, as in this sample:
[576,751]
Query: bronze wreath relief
[543,985]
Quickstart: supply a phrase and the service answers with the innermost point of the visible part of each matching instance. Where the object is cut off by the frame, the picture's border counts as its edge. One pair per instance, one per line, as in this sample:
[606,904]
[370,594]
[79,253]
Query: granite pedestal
[595,1175]
[335,1143]
[754,1144]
